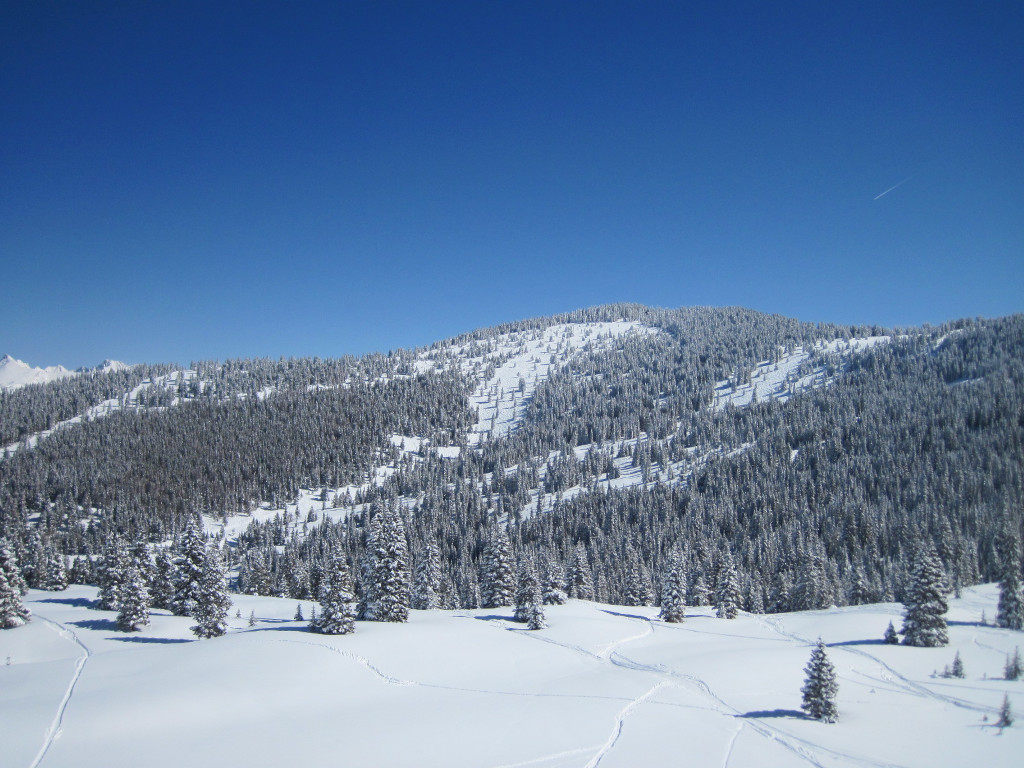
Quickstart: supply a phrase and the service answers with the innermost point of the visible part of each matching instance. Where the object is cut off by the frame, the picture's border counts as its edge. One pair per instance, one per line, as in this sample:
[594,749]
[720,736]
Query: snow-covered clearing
[781,380]
[508,367]
[602,686]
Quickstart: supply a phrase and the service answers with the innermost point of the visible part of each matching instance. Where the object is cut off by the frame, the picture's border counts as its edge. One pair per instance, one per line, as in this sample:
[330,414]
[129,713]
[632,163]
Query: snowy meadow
[600,685]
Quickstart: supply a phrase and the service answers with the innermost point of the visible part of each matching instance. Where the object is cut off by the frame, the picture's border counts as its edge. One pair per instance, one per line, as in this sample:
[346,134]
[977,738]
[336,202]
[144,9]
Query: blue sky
[188,181]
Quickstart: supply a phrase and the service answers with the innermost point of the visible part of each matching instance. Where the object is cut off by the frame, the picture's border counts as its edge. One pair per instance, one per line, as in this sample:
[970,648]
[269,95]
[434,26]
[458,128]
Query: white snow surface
[601,686]
[781,380]
[508,367]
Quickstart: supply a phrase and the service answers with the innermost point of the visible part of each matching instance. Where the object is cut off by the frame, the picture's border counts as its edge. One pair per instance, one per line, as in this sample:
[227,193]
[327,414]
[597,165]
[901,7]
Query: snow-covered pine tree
[891,638]
[673,591]
[55,576]
[957,670]
[190,568]
[536,620]
[1005,713]
[12,612]
[553,582]
[426,584]
[112,575]
[1010,613]
[820,688]
[497,580]
[386,587]
[638,585]
[10,569]
[924,620]
[812,591]
[581,580]
[727,588]
[1014,668]
[298,613]
[133,599]
[699,593]
[337,613]
[211,598]
[528,591]
[165,577]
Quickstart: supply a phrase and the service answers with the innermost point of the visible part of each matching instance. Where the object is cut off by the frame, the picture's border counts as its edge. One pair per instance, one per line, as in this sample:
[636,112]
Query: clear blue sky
[208,180]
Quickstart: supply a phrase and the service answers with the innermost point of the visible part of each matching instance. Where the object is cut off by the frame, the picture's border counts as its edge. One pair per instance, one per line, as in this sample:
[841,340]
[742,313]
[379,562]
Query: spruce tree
[497,581]
[1014,668]
[727,589]
[165,577]
[536,620]
[56,577]
[581,580]
[638,586]
[891,638]
[426,585]
[337,613]
[10,569]
[133,599]
[553,582]
[12,612]
[112,575]
[528,591]
[190,568]
[211,598]
[1010,613]
[820,688]
[924,620]
[386,585]
[673,592]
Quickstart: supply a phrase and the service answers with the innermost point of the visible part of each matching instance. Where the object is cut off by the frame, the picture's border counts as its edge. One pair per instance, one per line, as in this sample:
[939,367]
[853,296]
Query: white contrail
[890,189]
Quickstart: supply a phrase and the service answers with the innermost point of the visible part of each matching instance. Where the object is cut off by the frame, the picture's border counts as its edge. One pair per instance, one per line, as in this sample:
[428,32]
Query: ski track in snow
[732,745]
[548,758]
[888,674]
[58,720]
[620,719]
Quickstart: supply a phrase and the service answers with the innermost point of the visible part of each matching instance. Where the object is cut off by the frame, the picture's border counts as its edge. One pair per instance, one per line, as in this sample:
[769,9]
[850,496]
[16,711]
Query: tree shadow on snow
[77,602]
[102,624]
[493,617]
[298,628]
[870,641]
[144,639]
[767,713]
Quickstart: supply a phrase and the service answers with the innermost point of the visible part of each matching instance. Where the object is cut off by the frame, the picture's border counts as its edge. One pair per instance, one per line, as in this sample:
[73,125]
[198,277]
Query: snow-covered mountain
[15,373]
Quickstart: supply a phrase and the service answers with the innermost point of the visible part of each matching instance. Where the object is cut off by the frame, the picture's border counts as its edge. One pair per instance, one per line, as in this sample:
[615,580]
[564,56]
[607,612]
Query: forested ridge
[822,498]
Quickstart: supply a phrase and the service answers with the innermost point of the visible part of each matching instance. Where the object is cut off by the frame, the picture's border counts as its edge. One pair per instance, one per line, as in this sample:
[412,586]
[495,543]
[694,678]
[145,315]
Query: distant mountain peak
[16,373]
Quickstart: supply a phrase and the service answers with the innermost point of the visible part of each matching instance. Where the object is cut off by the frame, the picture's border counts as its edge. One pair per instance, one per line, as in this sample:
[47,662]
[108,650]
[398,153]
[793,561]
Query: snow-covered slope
[15,373]
[601,686]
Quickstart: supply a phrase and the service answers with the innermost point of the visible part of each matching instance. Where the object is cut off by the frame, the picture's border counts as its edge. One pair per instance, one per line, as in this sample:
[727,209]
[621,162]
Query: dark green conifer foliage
[820,688]
[924,620]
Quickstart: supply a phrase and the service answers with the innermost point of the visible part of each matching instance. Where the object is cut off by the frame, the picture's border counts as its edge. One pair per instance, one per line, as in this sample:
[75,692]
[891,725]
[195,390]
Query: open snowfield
[603,685]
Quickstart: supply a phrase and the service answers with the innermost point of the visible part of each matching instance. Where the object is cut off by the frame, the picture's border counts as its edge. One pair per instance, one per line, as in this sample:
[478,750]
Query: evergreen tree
[812,591]
[386,588]
[497,581]
[426,584]
[638,586]
[1010,613]
[298,613]
[891,638]
[820,688]
[337,613]
[55,578]
[528,591]
[12,612]
[537,620]
[924,620]
[190,567]
[1005,713]
[581,580]
[10,569]
[165,579]
[112,575]
[727,589]
[133,600]
[1014,668]
[553,583]
[673,597]
[957,670]
[211,598]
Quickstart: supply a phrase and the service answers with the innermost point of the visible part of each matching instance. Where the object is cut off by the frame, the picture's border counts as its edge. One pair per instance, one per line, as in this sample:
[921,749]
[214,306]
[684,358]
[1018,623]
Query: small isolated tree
[924,620]
[727,589]
[386,583]
[1005,713]
[337,613]
[298,613]
[890,635]
[673,592]
[957,669]
[1013,668]
[212,601]
[820,688]
[12,612]
[134,600]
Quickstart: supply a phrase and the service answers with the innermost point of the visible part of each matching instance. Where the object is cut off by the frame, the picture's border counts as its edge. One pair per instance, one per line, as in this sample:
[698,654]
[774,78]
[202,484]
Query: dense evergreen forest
[819,498]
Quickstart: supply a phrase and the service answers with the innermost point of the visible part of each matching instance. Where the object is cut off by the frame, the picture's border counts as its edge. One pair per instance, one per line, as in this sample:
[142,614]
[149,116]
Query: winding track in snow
[620,719]
[58,719]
